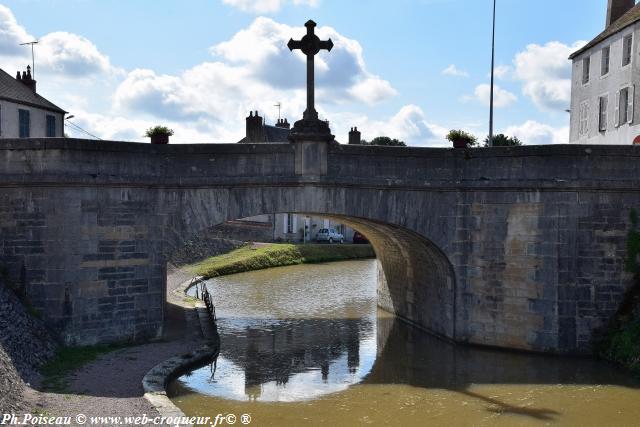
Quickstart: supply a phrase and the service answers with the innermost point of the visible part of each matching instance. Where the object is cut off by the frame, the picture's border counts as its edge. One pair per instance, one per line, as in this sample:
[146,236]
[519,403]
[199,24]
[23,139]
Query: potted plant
[159,134]
[461,139]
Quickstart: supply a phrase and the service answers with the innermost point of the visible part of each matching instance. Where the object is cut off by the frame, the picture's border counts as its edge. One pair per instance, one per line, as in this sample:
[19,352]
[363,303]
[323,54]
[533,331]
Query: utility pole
[33,58]
[493,54]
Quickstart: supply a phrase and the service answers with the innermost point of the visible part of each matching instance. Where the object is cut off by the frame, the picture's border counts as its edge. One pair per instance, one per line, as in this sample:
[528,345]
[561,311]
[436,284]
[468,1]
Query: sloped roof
[276,134]
[15,91]
[632,16]
[272,134]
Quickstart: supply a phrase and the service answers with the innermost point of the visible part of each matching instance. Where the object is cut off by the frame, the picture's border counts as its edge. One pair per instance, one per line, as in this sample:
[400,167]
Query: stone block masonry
[518,247]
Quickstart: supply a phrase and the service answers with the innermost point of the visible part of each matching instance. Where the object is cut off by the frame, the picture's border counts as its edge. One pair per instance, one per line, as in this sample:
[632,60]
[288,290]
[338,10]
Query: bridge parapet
[521,247]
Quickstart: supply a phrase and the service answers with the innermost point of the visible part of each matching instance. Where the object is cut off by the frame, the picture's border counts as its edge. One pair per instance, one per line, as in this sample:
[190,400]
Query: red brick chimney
[26,79]
[617,8]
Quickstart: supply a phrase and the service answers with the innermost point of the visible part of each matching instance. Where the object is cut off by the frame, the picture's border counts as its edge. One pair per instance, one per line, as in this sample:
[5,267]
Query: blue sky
[410,69]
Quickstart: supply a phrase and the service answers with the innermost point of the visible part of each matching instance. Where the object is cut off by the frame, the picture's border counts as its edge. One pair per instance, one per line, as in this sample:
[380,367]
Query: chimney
[283,123]
[354,136]
[26,79]
[255,128]
[617,8]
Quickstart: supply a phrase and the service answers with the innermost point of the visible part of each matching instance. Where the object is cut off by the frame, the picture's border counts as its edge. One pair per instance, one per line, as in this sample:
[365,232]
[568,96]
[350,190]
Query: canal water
[306,346]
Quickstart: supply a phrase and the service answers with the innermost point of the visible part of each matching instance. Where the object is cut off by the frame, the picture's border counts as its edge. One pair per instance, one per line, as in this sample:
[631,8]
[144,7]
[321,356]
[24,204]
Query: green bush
[456,135]
[158,130]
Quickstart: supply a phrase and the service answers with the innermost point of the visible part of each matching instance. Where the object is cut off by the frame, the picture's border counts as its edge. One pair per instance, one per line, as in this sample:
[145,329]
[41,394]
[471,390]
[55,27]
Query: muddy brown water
[306,346]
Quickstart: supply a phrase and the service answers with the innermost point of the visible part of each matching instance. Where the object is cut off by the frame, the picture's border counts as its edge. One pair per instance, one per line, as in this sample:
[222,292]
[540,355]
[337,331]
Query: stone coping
[553,150]
[156,380]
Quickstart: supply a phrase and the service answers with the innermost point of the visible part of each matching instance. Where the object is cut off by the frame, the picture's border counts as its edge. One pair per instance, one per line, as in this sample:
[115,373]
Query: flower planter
[460,143]
[160,139]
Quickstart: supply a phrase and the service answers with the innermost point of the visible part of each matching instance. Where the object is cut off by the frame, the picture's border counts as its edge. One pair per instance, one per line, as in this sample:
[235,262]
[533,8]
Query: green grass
[249,258]
[68,360]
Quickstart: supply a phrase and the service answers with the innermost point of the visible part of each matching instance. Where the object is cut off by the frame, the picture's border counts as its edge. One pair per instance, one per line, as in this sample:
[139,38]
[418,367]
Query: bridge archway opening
[415,280]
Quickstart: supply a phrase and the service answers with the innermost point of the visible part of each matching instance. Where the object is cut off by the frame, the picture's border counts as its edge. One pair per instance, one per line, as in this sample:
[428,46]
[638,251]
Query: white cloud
[502,71]
[12,34]
[253,70]
[71,55]
[545,73]
[534,133]
[261,51]
[58,54]
[454,71]
[501,97]
[372,90]
[267,6]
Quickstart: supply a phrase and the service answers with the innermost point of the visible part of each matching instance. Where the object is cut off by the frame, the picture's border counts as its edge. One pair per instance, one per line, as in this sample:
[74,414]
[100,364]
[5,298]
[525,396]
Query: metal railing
[203,294]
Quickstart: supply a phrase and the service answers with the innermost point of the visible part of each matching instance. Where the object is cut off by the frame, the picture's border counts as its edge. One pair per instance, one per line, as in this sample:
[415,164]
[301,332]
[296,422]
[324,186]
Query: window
[25,123]
[584,119]
[288,220]
[627,43]
[625,106]
[51,126]
[0,120]
[586,64]
[604,61]
[602,117]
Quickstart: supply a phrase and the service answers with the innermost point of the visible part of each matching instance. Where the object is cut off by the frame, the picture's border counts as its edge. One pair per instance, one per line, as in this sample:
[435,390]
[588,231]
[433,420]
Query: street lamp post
[493,53]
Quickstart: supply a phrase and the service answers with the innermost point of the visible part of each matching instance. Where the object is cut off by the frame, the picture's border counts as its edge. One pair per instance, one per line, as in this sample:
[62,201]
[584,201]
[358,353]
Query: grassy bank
[250,257]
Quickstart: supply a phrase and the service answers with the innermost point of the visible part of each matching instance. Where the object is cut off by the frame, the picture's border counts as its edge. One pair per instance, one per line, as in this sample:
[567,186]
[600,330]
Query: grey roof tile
[632,16]
[13,90]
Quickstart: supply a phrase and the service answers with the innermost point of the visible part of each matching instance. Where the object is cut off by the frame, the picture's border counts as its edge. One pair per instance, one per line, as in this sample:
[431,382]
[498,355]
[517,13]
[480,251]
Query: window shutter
[295,223]
[631,95]
[286,223]
[586,119]
[616,116]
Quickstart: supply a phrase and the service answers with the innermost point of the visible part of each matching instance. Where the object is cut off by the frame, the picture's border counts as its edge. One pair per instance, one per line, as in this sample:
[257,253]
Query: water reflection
[346,363]
[292,360]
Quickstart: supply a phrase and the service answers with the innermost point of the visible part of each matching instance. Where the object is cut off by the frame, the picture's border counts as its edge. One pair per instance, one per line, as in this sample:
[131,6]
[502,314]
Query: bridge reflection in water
[319,343]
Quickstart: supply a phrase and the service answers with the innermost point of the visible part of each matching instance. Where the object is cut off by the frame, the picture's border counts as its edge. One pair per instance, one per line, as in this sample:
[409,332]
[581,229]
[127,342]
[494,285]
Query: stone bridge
[519,247]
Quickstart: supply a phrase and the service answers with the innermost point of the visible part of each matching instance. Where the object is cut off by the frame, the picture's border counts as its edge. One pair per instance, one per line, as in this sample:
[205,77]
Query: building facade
[605,75]
[288,227]
[24,113]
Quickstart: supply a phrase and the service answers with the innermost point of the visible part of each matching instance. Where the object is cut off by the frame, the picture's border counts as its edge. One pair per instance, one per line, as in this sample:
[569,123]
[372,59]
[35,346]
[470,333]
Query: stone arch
[416,278]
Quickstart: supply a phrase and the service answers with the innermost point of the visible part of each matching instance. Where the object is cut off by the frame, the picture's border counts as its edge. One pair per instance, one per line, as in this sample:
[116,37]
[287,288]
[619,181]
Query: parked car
[329,235]
[358,238]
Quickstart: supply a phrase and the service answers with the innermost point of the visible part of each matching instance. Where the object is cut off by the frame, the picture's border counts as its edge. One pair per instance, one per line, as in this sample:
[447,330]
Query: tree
[501,140]
[385,140]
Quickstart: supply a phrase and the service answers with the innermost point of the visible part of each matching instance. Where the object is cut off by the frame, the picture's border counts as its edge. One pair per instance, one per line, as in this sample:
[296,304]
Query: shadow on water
[308,358]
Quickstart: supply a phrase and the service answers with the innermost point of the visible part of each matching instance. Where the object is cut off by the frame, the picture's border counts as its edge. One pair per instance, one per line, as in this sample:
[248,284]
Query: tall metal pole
[493,54]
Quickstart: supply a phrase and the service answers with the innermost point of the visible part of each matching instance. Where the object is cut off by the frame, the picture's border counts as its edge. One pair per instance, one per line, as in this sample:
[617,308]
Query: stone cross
[310,45]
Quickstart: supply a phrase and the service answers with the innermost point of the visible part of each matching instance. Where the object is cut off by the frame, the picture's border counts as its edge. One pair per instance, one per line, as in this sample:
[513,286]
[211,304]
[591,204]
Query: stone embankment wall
[25,345]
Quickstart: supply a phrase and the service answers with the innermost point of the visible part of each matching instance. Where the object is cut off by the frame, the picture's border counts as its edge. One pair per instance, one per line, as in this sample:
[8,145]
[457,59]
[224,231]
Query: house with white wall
[24,113]
[605,75]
